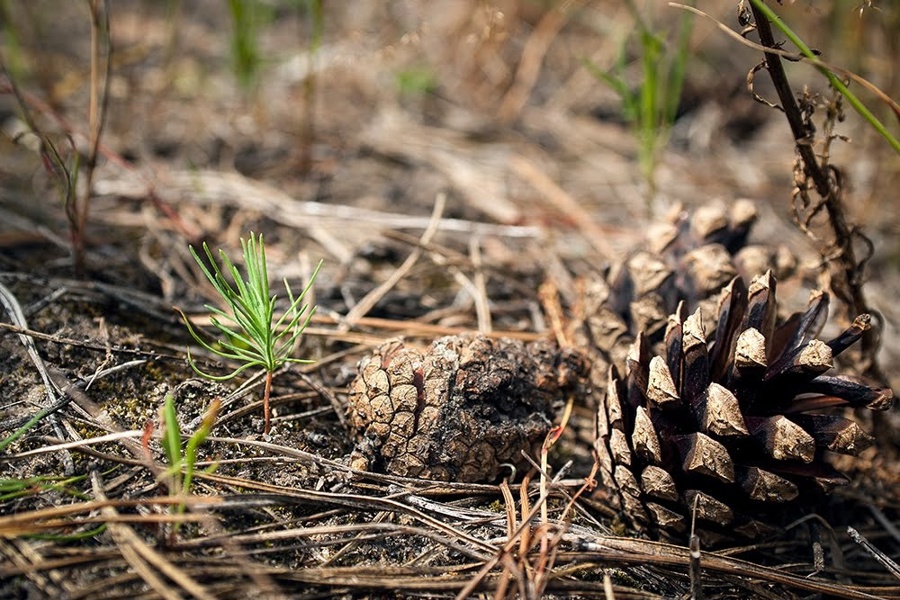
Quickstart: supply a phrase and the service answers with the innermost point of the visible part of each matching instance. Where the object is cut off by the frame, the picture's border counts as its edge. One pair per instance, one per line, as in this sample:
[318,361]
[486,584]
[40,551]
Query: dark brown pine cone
[461,409]
[738,423]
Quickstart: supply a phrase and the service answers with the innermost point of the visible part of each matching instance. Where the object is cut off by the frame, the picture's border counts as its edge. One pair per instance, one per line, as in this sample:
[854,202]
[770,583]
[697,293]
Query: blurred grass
[470,56]
[12,56]
[414,81]
[650,107]
[247,17]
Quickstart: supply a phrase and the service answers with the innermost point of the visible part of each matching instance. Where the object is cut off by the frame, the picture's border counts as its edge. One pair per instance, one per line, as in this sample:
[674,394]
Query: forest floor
[443,160]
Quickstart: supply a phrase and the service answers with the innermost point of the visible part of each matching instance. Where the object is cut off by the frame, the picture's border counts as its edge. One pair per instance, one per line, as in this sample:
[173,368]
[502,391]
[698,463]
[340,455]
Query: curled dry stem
[845,269]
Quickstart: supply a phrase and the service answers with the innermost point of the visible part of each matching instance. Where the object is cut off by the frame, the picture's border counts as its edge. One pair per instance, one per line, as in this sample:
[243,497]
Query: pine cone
[690,257]
[460,410]
[733,425]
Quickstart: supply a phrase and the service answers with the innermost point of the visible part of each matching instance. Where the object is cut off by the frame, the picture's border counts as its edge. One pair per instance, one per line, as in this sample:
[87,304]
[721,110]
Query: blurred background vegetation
[270,87]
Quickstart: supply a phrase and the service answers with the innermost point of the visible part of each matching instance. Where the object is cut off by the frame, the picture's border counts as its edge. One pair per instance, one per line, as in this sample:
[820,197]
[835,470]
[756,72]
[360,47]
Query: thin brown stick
[366,304]
[799,129]
[99,95]
[144,559]
[846,269]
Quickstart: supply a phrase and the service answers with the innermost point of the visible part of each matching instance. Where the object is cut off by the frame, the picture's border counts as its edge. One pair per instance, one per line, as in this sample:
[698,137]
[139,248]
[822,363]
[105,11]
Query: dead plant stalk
[99,95]
[846,270]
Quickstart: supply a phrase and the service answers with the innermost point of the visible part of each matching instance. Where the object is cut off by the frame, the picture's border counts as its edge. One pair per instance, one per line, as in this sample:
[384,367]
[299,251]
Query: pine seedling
[250,333]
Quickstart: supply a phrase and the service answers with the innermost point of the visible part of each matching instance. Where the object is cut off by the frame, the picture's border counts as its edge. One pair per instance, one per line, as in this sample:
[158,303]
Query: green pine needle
[249,332]
[250,335]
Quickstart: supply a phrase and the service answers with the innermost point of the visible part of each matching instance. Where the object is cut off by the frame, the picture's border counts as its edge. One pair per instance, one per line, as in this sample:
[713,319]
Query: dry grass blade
[371,299]
[482,306]
[345,535]
[564,203]
[145,559]
[478,549]
[41,520]
[224,189]
[880,556]
[79,444]
[396,327]
[608,592]
[532,57]
[636,552]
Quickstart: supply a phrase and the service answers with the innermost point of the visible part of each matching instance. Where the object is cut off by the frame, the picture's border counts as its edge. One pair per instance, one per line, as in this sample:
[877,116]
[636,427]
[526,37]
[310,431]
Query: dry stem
[846,270]
[99,95]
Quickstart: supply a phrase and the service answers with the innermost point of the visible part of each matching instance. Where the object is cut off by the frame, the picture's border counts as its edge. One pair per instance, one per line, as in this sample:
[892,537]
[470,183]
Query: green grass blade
[212,377]
[17,488]
[199,436]
[24,428]
[171,435]
[677,72]
[833,79]
[70,537]
[199,339]
[211,276]
[257,270]
[615,83]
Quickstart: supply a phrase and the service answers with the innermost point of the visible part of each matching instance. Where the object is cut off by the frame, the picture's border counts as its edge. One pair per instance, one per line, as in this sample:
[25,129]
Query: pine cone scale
[702,455]
[765,486]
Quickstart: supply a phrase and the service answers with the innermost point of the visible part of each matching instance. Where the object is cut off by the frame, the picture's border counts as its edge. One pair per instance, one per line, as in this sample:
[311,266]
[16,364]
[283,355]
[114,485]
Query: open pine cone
[733,425]
[690,257]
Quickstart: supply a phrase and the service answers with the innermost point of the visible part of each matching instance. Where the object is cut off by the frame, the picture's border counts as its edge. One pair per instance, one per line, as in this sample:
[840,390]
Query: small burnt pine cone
[689,257]
[740,423]
[460,410]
